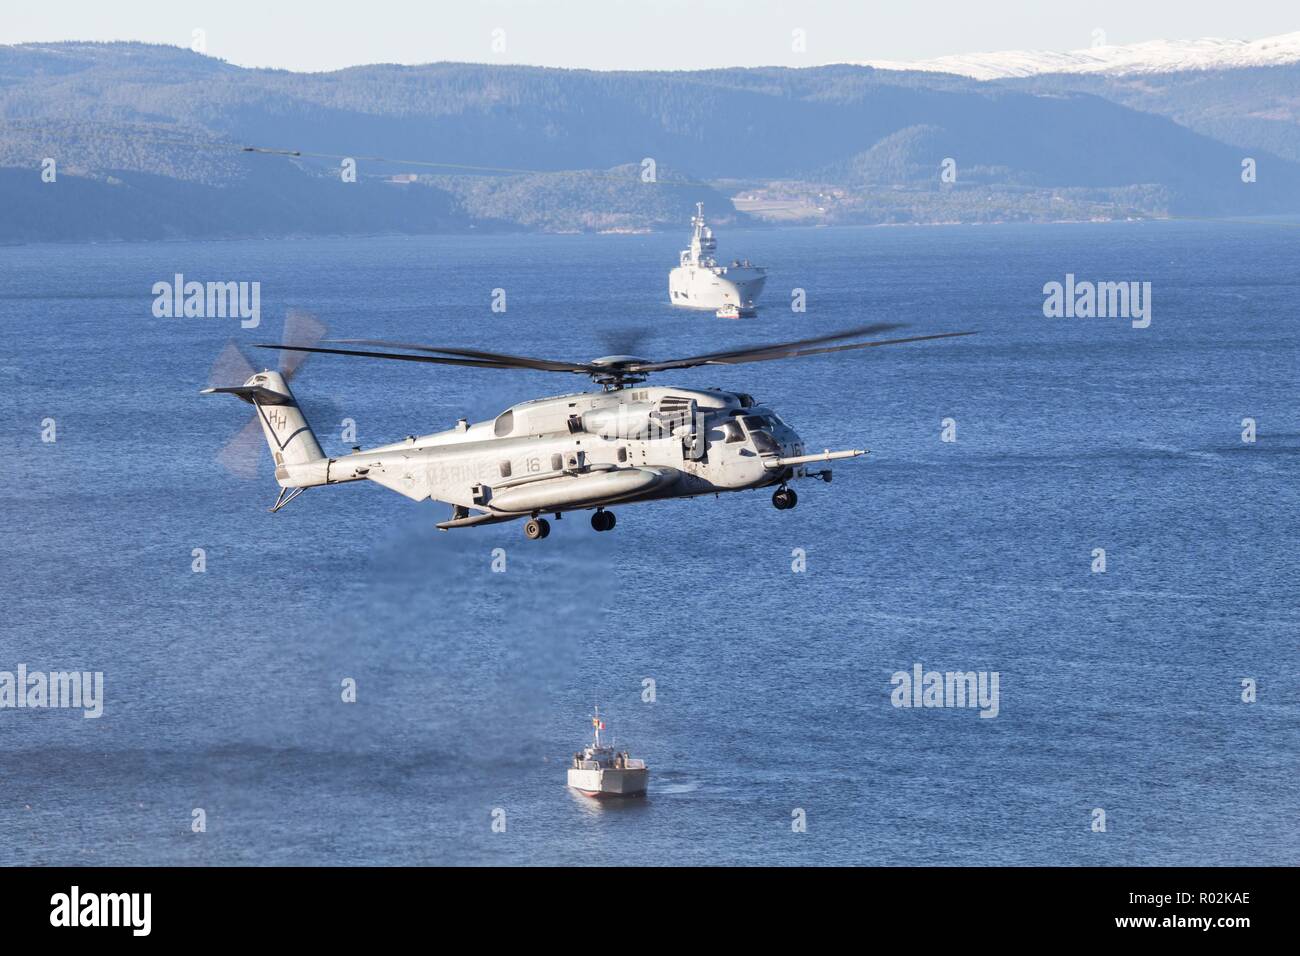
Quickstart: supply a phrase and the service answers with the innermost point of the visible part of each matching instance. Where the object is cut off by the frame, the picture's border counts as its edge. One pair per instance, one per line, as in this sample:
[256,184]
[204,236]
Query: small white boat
[732,311]
[603,771]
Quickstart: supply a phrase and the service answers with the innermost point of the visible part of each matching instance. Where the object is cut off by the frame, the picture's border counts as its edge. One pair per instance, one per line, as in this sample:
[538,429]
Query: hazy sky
[633,34]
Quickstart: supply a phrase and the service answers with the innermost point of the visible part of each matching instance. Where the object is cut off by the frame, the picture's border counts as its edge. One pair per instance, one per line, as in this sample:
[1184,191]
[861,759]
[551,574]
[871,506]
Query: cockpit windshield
[760,434]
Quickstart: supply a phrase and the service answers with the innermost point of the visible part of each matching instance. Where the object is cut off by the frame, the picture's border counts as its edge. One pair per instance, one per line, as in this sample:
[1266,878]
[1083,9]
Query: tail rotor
[240,455]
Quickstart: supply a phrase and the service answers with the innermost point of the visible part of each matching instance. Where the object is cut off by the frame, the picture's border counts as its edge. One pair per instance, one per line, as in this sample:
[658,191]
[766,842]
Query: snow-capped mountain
[1155,56]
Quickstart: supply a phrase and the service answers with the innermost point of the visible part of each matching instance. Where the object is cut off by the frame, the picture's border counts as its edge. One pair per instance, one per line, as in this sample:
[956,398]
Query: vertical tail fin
[288,435]
[299,461]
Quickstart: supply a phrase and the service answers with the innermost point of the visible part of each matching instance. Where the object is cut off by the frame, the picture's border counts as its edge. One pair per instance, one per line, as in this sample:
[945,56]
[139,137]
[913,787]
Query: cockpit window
[732,431]
[758,427]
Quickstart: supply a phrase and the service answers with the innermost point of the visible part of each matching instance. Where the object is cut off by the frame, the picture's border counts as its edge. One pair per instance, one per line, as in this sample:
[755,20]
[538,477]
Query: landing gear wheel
[603,520]
[536,528]
[784,499]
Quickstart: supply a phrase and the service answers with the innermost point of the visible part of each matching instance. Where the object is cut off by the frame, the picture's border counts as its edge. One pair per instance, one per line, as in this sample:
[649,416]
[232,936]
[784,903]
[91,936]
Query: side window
[733,432]
[622,454]
[505,424]
[557,462]
[505,467]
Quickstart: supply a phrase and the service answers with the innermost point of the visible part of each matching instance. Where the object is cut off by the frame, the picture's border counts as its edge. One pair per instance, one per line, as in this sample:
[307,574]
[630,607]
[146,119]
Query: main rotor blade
[754,350]
[520,361]
[778,353]
[429,359]
[301,328]
[473,358]
[551,365]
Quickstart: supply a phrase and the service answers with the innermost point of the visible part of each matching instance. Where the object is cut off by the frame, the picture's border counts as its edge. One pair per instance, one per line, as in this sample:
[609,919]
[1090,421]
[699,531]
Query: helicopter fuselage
[582,451]
[579,451]
[630,442]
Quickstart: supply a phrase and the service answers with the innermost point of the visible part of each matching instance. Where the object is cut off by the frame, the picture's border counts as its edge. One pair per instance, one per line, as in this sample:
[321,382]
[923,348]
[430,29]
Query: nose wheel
[784,498]
[536,528]
[603,520]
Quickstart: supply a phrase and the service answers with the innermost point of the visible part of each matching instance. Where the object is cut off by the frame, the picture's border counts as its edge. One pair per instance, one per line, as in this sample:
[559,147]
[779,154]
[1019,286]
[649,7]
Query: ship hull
[693,287]
[600,784]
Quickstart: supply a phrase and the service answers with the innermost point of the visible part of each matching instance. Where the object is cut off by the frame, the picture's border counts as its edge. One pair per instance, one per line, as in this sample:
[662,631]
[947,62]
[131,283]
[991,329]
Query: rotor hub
[613,371]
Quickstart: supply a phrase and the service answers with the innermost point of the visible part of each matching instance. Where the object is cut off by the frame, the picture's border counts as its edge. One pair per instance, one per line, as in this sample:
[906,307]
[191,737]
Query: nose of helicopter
[790,442]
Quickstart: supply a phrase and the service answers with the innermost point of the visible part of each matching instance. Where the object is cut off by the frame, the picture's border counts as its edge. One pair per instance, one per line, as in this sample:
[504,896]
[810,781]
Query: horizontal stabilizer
[251,393]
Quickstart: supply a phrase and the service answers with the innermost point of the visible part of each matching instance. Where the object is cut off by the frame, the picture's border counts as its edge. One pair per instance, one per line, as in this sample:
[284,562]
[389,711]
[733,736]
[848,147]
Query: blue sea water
[1119,691]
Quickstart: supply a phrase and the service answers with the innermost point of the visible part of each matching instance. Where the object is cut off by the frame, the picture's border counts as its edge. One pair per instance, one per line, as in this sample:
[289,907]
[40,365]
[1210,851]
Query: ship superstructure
[699,282]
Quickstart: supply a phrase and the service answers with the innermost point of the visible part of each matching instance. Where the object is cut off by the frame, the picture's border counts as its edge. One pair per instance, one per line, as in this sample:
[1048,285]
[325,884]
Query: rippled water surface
[1119,691]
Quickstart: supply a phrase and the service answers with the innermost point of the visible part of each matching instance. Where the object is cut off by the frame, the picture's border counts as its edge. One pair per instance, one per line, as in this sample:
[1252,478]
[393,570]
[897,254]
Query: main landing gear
[536,528]
[784,498]
[603,520]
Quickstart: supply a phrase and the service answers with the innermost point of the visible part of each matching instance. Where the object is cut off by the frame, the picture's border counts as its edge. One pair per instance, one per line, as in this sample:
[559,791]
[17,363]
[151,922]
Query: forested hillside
[146,141]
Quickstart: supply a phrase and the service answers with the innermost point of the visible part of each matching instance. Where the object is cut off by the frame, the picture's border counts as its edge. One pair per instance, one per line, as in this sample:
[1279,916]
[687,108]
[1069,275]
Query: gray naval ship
[603,771]
[699,282]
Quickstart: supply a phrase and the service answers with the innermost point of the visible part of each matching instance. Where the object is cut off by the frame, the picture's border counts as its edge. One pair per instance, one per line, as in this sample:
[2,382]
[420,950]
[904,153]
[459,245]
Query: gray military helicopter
[586,451]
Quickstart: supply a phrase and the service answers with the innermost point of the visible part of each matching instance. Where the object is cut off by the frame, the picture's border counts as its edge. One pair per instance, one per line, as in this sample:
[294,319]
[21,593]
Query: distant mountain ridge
[146,140]
[1154,56]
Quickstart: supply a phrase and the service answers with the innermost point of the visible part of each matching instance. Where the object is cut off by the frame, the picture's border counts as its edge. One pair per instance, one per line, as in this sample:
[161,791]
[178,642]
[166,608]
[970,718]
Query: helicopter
[627,443]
